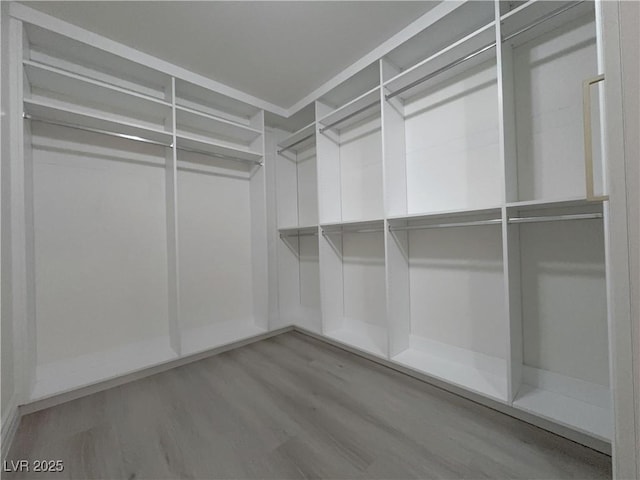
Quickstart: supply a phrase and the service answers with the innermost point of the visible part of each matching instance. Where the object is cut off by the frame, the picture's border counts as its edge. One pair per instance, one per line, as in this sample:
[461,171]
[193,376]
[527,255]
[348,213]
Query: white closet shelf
[54,111]
[354,226]
[70,85]
[445,214]
[355,111]
[470,370]
[537,17]
[207,147]
[293,230]
[193,119]
[445,64]
[299,140]
[571,412]
[576,202]
[363,336]
[201,339]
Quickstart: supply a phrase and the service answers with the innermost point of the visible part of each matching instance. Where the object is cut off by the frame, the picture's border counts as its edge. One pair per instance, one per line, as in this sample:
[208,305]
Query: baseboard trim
[565,432]
[9,428]
[63,397]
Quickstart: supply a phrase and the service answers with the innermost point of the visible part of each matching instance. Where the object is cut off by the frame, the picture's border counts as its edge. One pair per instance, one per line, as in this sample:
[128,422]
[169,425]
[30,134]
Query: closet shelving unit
[145,151]
[297,218]
[472,219]
[352,271]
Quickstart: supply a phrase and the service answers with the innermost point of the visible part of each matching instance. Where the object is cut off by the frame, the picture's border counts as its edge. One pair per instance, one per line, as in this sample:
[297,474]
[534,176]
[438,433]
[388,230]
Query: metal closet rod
[555,218]
[135,138]
[445,225]
[351,115]
[360,230]
[295,143]
[481,50]
[308,234]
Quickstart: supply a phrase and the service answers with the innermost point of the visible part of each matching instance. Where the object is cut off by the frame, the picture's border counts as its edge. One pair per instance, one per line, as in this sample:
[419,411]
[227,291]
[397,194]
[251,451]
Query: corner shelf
[353,112]
[193,119]
[300,140]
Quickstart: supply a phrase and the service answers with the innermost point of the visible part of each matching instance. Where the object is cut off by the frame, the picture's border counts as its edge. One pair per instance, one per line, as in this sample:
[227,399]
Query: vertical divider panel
[259,252]
[510,235]
[329,183]
[393,149]
[171,194]
[513,304]
[398,290]
[24,327]
[331,280]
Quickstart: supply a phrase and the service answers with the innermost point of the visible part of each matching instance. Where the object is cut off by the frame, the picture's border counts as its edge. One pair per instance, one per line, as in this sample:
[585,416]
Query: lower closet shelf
[576,404]
[361,335]
[70,374]
[201,339]
[470,370]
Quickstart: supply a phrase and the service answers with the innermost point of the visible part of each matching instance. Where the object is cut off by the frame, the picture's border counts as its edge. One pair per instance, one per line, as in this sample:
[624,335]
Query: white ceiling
[275,50]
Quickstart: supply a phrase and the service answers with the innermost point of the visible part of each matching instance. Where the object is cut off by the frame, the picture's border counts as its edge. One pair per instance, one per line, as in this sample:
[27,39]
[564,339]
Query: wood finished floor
[292,407]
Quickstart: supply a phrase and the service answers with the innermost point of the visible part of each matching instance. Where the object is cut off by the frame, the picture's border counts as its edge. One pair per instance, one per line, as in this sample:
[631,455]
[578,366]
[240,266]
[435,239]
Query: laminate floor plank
[291,407]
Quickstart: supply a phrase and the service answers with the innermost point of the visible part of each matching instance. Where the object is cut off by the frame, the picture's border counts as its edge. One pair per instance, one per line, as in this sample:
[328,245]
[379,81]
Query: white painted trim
[29,15]
[10,423]
[380,51]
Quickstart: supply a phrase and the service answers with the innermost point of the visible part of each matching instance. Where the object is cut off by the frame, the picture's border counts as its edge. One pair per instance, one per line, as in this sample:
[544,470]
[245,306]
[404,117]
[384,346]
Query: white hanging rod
[135,138]
[480,50]
[445,225]
[307,234]
[351,115]
[361,230]
[27,116]
[542,20]
[555,218]
[295,143]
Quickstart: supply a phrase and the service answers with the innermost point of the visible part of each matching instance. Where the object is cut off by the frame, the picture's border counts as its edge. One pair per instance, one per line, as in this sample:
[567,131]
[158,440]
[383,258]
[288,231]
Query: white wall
[5,301]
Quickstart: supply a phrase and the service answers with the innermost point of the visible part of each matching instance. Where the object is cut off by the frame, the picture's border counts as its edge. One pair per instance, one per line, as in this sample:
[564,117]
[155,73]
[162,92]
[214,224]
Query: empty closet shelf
[192,119]
[368,338]
[199,145]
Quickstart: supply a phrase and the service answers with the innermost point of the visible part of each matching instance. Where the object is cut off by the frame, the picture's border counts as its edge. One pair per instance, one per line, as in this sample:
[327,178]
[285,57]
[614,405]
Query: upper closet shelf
[193,119]
[450,217]
[300,140]
[93,120]
[364,226]
[537,17]
[350,113]
[49,81]
[472,50]
[200,145]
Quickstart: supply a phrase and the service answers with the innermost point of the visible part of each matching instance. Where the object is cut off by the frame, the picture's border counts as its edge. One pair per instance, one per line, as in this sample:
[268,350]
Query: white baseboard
[10,423]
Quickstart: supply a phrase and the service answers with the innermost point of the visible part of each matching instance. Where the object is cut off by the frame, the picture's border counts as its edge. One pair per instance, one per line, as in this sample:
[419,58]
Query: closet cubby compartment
[352,273]
[548,50]
[299,278]
[445,285]
[220,208]
[210,123]
[297,179]
[349,144]
[442,129]
[559,312]
[98,212]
